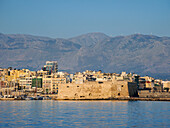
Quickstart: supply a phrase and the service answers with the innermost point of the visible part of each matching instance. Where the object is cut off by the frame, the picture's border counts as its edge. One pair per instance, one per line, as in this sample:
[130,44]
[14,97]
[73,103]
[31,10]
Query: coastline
[114,99]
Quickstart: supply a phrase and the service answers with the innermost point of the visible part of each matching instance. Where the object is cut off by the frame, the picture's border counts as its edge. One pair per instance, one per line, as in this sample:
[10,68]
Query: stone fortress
[97,90]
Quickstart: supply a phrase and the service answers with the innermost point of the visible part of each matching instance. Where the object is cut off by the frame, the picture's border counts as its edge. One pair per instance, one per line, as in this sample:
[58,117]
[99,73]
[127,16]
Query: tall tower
[51,67]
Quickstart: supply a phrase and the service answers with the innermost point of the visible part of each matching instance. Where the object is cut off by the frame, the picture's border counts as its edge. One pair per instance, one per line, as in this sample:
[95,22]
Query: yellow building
[147,81]
[25,83]
[166,85]
[47,83]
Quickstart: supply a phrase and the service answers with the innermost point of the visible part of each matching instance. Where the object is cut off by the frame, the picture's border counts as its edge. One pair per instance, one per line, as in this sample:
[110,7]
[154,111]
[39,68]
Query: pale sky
[69,18]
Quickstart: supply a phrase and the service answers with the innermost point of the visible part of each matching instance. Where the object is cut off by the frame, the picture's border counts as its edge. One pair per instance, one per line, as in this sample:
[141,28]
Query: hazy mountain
[89,39]
[142,54]
[26,51]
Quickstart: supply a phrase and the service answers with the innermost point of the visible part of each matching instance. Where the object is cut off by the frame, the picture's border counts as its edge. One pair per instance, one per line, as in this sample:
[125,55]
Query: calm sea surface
[84,114]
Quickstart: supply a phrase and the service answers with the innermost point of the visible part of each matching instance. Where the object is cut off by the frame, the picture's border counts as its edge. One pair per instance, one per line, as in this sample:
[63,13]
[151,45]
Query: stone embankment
[143,99]
[6,98]
[114,99]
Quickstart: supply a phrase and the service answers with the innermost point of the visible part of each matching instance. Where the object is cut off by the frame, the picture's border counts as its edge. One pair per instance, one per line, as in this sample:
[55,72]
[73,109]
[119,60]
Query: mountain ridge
[139,53]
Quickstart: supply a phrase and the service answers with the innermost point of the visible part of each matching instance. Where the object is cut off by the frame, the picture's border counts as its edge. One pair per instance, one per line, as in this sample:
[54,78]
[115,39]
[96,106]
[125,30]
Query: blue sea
[88,114]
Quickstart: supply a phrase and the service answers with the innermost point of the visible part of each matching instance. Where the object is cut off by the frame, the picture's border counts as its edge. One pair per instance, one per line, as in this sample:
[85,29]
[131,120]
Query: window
[67,86]
[122,86]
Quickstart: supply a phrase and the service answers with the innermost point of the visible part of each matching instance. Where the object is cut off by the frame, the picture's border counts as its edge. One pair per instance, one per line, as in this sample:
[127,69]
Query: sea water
[84,114]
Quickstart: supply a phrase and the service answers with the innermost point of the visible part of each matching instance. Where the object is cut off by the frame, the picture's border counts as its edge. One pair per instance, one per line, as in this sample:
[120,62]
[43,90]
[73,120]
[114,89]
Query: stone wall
[150,94]
[96,90]
[132,88]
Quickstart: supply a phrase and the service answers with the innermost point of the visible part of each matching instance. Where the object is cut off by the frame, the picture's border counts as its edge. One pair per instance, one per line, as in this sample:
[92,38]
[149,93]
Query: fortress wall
[94,90]
[120,89]
[133,90]
[87,90]
[150,94]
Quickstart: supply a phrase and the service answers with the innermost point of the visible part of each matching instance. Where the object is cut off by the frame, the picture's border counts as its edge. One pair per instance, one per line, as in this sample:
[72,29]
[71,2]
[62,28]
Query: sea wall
[151,94]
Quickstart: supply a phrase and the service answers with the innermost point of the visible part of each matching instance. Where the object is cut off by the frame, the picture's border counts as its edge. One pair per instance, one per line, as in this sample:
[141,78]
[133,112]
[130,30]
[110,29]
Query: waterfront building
[25,83]
[78,78]
[37,82]
[41,73]
[47,84]
[51,82]
[166,86]
[147,82]
[51,67]
[81,85]
[158,86]
[57,81]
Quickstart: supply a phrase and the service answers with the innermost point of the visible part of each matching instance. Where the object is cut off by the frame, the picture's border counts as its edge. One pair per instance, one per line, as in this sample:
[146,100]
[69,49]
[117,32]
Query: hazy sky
[68,18]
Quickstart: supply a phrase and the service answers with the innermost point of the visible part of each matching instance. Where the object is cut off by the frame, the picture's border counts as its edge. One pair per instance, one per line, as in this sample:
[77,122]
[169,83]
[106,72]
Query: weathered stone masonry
[97,90]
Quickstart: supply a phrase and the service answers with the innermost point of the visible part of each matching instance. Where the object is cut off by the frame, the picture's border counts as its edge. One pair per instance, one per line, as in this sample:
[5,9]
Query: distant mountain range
[142,54]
